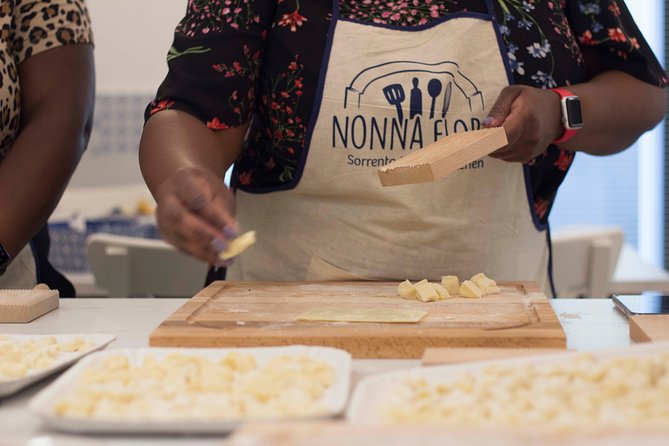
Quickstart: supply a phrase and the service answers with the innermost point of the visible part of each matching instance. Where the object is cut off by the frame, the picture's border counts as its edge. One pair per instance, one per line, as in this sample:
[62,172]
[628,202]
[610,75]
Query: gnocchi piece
[426,292]
[470,289]
[483,281]
[441,291]
[407,290]
[239,245]
[451,283]
[488,290]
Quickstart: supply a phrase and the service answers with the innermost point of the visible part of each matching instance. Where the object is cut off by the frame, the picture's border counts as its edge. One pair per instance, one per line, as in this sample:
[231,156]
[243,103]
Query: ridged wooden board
[252,314]
[442,157]
[23,306]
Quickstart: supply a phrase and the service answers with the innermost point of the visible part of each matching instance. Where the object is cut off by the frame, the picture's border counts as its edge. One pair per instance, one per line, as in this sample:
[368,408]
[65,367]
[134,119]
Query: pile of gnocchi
[19,358]
[477,287]
[194,387]
[581,392]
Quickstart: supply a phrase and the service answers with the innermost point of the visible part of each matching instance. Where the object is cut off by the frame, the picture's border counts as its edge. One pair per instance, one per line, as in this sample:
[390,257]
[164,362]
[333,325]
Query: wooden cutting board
[649,328]
[251,314]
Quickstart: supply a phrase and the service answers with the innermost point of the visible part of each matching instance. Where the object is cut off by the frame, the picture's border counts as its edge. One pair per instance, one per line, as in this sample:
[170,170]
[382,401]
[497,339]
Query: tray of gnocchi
[195,390]
[25,359]
[624,388]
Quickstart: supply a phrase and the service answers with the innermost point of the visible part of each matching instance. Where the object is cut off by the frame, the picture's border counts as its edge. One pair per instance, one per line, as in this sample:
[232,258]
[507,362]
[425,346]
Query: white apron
[388,91]
[21,273]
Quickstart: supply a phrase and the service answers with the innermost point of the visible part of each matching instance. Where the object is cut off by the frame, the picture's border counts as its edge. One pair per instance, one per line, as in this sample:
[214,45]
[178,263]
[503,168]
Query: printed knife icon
[447,99]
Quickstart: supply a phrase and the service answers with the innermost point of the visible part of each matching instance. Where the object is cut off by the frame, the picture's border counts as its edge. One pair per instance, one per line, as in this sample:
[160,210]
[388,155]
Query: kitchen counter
[588,323]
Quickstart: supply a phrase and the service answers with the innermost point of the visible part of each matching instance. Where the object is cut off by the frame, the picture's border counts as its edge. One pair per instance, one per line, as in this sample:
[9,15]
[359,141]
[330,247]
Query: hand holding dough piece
[239,245]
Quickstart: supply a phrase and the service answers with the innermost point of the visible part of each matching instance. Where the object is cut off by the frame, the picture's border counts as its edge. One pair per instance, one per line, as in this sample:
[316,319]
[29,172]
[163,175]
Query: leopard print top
[28,27]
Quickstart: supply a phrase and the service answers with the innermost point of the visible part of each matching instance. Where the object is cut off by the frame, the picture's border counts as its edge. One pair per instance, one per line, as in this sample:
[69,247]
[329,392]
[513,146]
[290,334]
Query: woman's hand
[531,118]
[196,213]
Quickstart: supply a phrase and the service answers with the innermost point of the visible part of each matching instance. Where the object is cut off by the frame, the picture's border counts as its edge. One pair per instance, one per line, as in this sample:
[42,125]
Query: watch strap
[568,133]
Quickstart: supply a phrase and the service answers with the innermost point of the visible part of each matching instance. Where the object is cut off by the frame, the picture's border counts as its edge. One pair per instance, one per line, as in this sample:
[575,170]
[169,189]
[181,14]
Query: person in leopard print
[46,109]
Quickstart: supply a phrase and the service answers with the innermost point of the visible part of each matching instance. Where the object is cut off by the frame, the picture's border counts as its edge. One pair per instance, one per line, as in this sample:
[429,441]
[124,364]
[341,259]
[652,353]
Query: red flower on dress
[216,124]
[245,178]
[540,207]
[586,39]
[564,160]
[616,34]
[294,19]
[162,105]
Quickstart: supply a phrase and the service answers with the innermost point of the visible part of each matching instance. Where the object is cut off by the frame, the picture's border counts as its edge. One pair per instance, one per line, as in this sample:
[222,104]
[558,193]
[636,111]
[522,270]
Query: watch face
[574,115]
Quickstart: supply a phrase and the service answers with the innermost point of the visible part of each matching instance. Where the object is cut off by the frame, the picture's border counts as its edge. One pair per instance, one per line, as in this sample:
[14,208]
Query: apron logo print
[404,105]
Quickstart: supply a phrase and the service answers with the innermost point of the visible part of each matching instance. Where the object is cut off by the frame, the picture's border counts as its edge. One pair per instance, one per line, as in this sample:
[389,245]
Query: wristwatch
[572,117]
[4,259]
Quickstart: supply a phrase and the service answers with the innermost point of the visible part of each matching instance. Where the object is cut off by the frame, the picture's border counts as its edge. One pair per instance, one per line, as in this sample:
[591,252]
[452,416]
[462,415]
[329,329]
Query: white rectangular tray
[334,400]
[8,387]
[372,391]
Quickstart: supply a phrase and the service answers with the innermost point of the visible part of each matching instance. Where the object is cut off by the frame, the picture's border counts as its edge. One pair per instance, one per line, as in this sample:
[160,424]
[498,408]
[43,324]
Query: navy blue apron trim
[446,18]
[550,261]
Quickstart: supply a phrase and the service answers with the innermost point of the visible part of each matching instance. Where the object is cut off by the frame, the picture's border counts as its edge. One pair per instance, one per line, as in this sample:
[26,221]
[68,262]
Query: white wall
[132,38]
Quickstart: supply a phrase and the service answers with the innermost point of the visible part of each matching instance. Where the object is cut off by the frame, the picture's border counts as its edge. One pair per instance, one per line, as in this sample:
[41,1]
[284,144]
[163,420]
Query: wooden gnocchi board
[253,314]
[23,306]
[442,157]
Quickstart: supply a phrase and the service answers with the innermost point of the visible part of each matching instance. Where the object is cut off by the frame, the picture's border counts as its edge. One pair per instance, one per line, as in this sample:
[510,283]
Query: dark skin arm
[57,97]
[617,108]
[183,163]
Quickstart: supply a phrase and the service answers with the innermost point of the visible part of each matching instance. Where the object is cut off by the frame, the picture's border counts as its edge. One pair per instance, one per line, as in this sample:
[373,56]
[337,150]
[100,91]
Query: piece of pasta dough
[470,289]
[239,245]
[451,283]
[426,292]
[441,291]
[407,290]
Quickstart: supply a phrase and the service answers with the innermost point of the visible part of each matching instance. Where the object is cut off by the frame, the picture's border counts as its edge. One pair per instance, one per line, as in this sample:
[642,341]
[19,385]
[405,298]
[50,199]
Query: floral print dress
[234,61]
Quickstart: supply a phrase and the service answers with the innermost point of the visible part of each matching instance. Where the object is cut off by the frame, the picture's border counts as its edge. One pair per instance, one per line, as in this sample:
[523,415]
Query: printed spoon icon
[434,90]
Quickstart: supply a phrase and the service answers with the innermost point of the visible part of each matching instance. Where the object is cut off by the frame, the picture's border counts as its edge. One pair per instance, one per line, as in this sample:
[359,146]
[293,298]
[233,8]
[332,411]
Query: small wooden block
[442,157]
[649,328]
[22,306]
[435,356]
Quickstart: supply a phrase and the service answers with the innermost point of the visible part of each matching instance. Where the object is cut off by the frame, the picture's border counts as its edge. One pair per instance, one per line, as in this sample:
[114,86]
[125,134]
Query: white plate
[7,387]
[373,391]
[333,402]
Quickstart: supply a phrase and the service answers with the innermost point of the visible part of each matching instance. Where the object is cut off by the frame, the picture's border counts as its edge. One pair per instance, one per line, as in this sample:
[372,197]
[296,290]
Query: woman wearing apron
[308,99]
[47,88]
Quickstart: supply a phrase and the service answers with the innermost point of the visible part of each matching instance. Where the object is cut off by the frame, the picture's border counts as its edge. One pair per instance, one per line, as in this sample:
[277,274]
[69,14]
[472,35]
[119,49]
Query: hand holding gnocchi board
[251,314]
[442,157]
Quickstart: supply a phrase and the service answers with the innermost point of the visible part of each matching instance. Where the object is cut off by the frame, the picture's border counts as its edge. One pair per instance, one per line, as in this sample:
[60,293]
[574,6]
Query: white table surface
[589,324]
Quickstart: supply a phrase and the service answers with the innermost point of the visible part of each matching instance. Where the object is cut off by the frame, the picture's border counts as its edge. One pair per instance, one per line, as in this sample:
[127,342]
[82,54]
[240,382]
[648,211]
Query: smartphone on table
[637,304]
